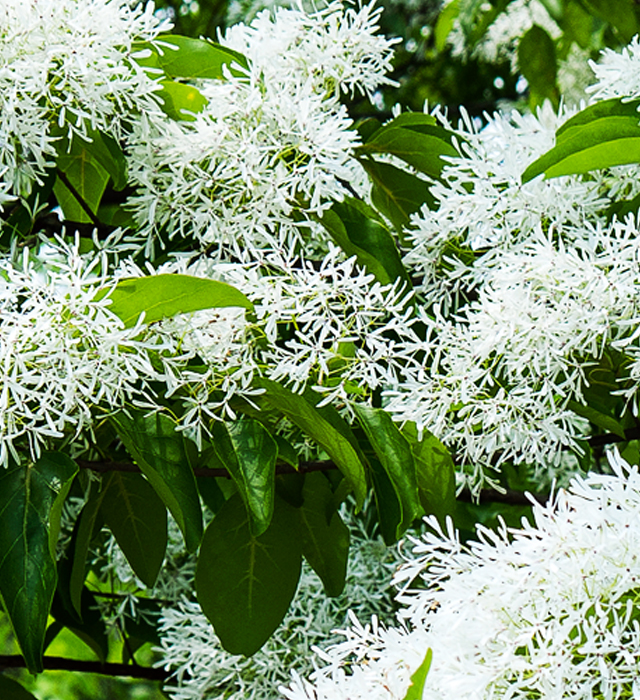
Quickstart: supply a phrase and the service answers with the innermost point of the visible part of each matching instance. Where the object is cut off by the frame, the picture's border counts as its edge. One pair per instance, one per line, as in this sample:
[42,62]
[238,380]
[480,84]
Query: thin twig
[58,663]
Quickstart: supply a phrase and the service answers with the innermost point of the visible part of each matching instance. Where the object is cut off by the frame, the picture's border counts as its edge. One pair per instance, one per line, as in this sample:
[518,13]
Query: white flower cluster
[272,140]
[617,73]
[66,68]
[202,670]
[523,287]
[546,611]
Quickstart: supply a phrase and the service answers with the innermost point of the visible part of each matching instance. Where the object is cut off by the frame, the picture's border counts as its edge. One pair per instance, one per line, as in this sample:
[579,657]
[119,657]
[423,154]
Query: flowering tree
[227,310]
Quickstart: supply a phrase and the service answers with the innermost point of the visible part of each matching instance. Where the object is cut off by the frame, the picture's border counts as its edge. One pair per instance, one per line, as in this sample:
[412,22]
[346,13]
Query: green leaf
[419,678]
[245,583]
[187,57]
[87,177]
[435,472]
[355,227]
[387,503]
[396,193]
[537,63]
[181,101]
[30,502]
[421,146]
[138,520]
[11,690]
[91,628]
[163,296]
[601,136]
[602,420]
[396,457]
[323,426]
[160,450]
[619,13]
[106,151]
[325,537]
[444,24]
[249,453]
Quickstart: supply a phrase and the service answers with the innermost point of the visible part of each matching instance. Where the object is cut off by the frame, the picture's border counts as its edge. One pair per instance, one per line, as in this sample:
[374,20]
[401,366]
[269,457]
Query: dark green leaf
[419,678]
[249,453]
[87,177]
[325,427]
[91,629]
[619,13]
[423,148]
[601,136]
[355,227]
[396,193]
[387,503]
[537,63]
[435,472]
[325,537]
[602,420]
[187,57]
[12,690]
[160,450]
[286,451]
[245,583]
[30,498]
[163,296]
[395,455]
[107,153]
[138,520]
[181,101]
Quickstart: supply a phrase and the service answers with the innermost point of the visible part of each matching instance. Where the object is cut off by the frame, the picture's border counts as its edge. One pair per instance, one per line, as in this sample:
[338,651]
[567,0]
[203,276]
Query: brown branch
[59,663]
[281,468]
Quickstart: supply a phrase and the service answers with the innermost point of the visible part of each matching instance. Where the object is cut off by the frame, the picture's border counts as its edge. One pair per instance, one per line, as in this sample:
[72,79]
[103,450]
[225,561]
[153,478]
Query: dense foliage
[241,327]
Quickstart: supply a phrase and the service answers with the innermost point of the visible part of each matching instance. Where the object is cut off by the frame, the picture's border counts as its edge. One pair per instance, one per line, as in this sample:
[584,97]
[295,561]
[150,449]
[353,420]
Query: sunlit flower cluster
[549,610]
[272,140]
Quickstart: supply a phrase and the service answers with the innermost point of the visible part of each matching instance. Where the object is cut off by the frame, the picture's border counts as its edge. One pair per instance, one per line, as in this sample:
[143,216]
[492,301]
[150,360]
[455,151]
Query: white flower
[617,73]
[548,610]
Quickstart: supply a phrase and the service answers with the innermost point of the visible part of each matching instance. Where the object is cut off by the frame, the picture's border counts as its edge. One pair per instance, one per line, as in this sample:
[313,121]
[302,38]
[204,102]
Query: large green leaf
[249,453]
[619,13]
[12,690]
[245,583]
[325,537]
[163,296]
[387,503]
[88,180]
[325,427]
[187,57]
[138,520]
[419,145]
[395,455]
[356,228]
[601,136]
[396,193]
[30,501]
[160,450]
[435,472]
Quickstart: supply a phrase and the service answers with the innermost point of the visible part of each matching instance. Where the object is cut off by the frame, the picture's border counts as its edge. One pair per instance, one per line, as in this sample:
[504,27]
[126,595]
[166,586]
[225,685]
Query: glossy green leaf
[444,24]
[387,503]
[419,678]
[187,57]
[181,101]
[419,146]
[355,227]
[86,176]
[245,583]
[537,63]
[601,136]
[435,473]
[395,455]
[249,453]
[396,193]
[602,420]
[161,452]
[323,426]
[138,520]
[163,296]
[30,498]
[12,690]
[325,537]
[106,151]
